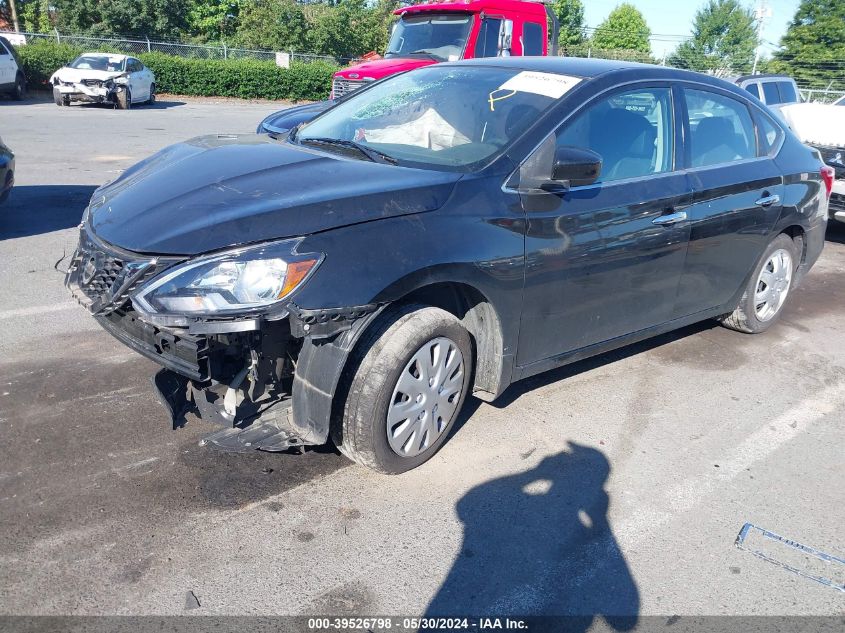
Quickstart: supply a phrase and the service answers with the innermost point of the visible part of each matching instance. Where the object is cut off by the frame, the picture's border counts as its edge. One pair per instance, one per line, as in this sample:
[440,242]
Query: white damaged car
[104,78]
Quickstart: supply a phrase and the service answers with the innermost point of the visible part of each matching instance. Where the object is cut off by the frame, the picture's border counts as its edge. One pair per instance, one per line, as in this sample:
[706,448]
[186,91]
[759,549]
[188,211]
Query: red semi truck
[448,31]
[437,32]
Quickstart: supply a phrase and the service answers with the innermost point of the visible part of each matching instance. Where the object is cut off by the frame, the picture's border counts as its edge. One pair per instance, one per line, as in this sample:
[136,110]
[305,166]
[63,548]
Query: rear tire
[152,99]
[767,290]
[384,368]
[123,99]
[19,92]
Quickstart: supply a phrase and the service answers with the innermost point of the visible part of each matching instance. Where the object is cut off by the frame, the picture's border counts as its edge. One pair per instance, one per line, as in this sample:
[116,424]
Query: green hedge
[244,78]
[42,59]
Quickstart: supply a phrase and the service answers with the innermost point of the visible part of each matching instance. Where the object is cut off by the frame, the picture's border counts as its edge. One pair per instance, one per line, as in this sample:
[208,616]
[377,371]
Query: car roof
[109,55]
[763,77]
[591,68]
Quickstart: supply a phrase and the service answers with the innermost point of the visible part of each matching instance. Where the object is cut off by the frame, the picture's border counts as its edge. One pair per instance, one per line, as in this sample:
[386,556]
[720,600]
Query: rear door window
[532,39]
[721,129]
[787,92]
[770,90]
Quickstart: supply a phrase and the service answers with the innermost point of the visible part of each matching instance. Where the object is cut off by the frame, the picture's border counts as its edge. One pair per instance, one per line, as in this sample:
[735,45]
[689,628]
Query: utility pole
[761,14]
[14,16]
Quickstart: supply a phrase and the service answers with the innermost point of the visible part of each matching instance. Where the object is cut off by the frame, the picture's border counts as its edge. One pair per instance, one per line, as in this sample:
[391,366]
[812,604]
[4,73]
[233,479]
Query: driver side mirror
[505,38]
[573,167]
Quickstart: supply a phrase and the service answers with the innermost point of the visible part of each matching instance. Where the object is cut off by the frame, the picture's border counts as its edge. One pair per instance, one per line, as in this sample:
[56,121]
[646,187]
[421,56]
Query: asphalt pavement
[614,486]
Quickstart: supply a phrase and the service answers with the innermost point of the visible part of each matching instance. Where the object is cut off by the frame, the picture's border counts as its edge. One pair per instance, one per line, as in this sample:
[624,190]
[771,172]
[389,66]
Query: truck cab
[437,32]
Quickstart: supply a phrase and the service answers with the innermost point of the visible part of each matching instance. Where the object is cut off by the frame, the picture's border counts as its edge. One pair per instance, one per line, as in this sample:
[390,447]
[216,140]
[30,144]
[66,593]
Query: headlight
[245,280]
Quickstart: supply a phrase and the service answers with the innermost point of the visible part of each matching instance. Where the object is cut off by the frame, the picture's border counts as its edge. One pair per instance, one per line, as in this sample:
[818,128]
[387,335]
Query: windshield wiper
[427,54]
[372,154]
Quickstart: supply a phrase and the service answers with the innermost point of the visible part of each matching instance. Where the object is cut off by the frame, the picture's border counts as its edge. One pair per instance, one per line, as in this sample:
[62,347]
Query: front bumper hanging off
[269,382]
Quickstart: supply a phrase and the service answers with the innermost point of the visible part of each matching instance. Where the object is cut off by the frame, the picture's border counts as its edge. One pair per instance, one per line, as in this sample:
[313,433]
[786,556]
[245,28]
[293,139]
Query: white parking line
[36,310]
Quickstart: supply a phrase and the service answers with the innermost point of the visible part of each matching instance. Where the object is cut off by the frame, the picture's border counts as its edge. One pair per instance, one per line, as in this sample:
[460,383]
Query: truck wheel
[406,384]
[768,289]
[20,88]
[58,97]
[123,99]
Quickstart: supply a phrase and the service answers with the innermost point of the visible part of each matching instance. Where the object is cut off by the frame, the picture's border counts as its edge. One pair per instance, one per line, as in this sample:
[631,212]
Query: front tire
[123,99]
[768,289]
[58,97]
[408,380]
[20,88]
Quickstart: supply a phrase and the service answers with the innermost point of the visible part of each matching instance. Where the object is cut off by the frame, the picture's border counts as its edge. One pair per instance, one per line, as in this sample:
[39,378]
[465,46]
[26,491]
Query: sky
[674,17]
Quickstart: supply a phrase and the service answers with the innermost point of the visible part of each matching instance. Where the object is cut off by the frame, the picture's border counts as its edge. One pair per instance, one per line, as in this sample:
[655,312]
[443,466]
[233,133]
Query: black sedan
[7,171]
[443,233]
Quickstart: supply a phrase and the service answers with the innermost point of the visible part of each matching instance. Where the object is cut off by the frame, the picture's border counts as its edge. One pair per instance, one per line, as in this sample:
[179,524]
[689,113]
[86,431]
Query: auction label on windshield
[546,84]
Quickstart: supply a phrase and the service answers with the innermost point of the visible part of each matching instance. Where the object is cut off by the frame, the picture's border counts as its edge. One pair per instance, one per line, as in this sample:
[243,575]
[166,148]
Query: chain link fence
[136,46]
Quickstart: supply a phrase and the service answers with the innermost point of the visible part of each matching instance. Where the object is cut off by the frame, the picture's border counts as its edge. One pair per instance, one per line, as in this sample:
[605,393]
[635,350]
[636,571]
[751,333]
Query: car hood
[214,192]
[283,120]
[75,75]
[379,68]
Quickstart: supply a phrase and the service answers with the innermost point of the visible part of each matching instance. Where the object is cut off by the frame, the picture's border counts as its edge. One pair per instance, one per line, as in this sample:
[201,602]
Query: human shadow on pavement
[36,209]
[538,543]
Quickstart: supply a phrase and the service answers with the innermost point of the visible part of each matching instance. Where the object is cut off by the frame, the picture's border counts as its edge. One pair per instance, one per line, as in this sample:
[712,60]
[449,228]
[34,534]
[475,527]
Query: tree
[278,25]
[724,38]
[570,15]
[213,20]
[625,28]
[813,47]
[160,19]
[348,29]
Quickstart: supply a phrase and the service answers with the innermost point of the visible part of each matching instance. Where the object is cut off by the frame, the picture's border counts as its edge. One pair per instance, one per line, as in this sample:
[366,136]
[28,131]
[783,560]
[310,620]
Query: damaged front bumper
[269,383]
[93,90]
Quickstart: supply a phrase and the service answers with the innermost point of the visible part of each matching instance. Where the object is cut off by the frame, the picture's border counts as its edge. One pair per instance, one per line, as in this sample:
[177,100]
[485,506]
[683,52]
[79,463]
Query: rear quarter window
[754,89]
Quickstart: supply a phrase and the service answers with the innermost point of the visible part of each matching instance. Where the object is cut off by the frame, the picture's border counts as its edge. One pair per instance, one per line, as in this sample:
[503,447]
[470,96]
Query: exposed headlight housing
[243,282]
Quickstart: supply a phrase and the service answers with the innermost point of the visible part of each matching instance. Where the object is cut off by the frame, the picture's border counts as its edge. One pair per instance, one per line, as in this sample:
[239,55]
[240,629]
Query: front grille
[341,87]
[108,271]
[102,279]
[92,82]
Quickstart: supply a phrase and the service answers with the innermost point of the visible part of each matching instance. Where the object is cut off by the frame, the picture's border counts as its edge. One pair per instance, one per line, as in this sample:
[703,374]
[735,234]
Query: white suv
[12,79]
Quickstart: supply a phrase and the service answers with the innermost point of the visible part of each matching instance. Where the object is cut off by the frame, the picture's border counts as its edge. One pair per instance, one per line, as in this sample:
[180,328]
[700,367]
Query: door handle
[670,219]
[767,201]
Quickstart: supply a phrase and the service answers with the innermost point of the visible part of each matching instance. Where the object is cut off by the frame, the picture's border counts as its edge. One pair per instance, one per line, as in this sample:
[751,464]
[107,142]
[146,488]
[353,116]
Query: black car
[445,232]
[7,172]
[285,120]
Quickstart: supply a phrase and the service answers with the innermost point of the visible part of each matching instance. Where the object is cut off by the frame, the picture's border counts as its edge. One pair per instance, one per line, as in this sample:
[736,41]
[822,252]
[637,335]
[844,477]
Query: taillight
[828,175]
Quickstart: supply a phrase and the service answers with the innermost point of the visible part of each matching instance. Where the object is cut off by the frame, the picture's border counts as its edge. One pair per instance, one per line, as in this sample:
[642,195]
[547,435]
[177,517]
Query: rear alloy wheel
[20,88]
[408,380]
[768,288]
[152,98]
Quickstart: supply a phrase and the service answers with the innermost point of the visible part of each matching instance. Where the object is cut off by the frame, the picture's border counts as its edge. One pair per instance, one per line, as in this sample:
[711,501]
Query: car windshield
[99,62]
[440,36]
[417,119]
